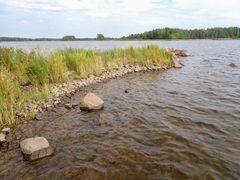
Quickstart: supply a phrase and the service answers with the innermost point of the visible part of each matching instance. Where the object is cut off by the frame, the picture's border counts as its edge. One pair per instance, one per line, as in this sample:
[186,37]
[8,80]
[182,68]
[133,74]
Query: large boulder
[35,148]
[91,102]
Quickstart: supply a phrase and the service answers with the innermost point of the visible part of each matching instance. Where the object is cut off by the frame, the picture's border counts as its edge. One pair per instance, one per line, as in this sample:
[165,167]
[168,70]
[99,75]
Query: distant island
[155,34]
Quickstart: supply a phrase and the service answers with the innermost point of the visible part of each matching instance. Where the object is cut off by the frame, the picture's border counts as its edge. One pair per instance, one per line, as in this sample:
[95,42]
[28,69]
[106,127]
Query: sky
[113,18]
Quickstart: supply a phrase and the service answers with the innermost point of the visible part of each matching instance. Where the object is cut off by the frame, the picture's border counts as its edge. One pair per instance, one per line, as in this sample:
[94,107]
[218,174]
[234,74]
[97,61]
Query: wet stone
[91,102]
[35,148]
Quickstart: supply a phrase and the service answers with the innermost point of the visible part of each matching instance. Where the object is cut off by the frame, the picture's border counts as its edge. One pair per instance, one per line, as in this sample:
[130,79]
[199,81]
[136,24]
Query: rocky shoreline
[38,147]
[67,89]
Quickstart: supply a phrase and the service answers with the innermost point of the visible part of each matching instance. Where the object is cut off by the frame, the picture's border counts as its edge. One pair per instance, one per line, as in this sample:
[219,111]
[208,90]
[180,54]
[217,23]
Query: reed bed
[26,76]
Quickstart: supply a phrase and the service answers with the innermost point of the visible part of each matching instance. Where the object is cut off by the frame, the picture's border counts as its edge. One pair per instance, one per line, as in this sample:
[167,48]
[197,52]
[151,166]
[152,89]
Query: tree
[100,37]
[68,38]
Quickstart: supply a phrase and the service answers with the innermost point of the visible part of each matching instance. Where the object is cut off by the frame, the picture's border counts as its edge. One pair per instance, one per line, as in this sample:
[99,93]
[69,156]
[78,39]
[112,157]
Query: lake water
[179,124]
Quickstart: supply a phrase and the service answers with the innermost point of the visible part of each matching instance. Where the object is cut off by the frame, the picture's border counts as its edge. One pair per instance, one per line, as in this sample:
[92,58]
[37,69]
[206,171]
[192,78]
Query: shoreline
[67,89]
[60,91]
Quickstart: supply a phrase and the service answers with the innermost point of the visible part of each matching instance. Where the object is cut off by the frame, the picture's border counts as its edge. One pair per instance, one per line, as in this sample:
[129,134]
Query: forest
[175,33]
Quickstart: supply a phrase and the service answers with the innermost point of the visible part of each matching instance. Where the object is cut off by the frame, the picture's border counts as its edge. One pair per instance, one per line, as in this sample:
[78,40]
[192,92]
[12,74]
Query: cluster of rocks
[177,53]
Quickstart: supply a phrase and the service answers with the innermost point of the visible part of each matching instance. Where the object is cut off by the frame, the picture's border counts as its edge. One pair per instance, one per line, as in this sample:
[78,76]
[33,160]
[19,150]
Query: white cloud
[101,8]
[216,8]
[113,17]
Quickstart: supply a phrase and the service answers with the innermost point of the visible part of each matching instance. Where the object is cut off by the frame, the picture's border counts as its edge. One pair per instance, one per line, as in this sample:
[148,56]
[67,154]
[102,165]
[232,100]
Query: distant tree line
[164,33]
[175,33]
[64,38]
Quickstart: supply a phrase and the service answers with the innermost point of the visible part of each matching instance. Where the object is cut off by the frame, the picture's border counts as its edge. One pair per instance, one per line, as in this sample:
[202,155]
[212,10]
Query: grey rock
[91,102]
[35,148]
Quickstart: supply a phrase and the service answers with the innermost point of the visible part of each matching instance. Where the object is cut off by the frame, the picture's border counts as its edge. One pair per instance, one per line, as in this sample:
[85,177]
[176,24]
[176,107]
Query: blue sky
[115,18]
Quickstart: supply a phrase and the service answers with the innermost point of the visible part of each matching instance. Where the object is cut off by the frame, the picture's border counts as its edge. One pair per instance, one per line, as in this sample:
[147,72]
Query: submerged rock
[35,148]
[232,65]
[91,102]
[101,120]
[2,138]
[181,53]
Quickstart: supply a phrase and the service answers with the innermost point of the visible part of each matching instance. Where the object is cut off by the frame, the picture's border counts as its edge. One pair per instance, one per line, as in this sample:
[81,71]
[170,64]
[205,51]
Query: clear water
[179,124]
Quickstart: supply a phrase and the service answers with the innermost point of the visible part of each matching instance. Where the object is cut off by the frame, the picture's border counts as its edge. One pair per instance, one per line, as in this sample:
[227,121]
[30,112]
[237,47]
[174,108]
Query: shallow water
[180,124]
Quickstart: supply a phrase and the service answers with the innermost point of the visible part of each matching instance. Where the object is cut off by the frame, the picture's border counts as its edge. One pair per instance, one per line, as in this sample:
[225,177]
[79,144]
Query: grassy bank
[26,76]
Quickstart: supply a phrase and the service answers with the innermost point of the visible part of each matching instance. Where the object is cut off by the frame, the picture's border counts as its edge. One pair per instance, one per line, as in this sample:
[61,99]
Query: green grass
[26,76]
[9,93]
[57,68]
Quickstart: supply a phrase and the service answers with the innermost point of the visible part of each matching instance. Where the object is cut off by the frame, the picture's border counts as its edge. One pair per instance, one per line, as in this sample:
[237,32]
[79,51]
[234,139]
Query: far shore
[95,40]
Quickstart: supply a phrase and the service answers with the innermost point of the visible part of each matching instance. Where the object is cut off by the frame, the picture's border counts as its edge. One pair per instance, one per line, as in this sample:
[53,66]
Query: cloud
[214,8]
[112,17]
[98,8]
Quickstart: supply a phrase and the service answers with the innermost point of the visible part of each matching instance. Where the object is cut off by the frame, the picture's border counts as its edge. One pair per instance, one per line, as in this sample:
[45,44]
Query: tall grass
[83,62]
[9,94]
[26,76]
[57,68]
[37,69]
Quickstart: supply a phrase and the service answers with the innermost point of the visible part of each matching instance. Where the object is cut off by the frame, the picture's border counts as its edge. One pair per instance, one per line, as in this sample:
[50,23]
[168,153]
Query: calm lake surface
[176,124]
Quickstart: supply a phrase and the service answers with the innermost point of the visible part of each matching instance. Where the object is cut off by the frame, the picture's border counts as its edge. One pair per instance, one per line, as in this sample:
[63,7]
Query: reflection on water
[179,123]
